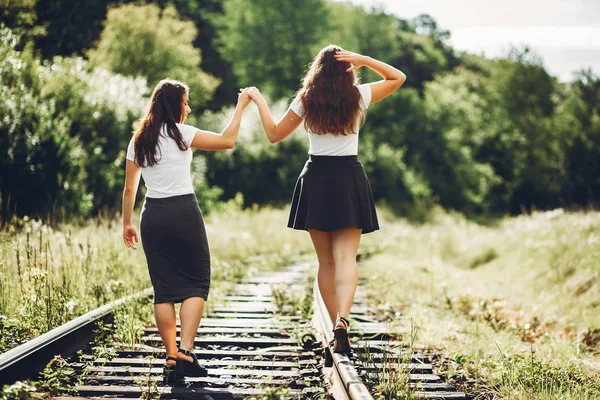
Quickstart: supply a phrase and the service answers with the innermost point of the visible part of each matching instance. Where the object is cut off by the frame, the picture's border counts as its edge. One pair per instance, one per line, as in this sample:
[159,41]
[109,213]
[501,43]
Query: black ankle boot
[190,368]
[342,341]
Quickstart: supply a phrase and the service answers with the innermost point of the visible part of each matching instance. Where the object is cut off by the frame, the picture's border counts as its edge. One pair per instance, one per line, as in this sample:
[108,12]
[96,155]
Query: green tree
[143,40]
[446,151]
[40,163]
[524,147]
[21,17]
[269,43]
[71,25]
[264,173]
[344,18]
[204,13]
[495,142]
[102,108]
[421,56]
[578,122]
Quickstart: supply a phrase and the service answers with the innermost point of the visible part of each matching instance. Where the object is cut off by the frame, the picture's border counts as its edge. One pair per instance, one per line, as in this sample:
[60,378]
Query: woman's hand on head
[357,60]
[130,236]
[243,98]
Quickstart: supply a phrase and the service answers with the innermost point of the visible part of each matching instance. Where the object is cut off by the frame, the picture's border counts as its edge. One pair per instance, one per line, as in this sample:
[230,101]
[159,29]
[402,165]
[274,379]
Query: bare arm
[393,78]
[206,140]
[132,180]
[275,131]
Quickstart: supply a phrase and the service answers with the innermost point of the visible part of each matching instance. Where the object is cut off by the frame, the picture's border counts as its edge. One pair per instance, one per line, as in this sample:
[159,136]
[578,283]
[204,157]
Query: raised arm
[393,78]
[132,180]
[275,131]
[206,140]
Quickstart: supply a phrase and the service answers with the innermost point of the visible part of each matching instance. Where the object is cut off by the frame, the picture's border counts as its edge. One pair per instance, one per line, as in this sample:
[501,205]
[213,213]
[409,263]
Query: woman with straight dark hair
[332,199]
[171,224]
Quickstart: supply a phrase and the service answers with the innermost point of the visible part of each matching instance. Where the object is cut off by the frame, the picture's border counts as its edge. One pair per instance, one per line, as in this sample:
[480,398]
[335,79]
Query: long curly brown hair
[165,108]
[329,96]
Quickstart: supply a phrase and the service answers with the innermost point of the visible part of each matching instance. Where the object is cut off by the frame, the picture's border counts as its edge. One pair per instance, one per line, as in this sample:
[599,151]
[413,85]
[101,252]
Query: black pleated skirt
[333,192]
[176,248]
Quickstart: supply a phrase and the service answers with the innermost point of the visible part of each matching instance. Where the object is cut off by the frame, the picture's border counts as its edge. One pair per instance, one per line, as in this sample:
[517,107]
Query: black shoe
[190,368]
[342,342]
[170,372]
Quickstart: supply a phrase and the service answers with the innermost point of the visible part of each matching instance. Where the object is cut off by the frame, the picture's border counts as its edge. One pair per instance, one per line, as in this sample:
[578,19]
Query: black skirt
[176,248]
[333,192]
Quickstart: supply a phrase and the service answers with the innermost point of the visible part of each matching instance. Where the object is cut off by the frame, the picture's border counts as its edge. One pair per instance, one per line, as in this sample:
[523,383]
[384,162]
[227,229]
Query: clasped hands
[249,94]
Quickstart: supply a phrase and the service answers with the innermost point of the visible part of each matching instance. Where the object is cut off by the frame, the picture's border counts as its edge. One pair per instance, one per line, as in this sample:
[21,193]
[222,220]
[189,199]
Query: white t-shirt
[170,176]
[335,145]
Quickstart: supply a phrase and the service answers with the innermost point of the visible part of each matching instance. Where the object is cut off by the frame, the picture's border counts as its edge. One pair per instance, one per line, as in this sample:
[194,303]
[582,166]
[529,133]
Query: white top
[335,145]
[170,176]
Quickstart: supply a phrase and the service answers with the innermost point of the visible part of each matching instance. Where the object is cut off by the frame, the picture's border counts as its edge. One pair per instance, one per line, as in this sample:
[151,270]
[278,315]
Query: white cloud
[514,13]
[493,38]
[565,33]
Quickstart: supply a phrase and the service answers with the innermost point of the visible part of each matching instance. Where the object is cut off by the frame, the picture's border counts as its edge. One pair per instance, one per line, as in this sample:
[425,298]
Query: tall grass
[513,305]
[49,276]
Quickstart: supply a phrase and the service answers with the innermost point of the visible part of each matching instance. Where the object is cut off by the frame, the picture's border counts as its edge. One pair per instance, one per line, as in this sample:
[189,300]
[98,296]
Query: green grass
[514,305]
[50,276]
[510,309]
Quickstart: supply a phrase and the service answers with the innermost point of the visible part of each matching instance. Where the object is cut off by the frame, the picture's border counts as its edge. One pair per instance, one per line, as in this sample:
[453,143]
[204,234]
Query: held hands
[130,236]
[356,59]
[243,98]
[254,93]
[248,94]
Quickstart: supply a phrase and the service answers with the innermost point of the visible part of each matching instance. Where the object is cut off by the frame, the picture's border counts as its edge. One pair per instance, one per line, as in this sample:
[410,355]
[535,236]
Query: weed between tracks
[296,299]
[392,368]
[148,386]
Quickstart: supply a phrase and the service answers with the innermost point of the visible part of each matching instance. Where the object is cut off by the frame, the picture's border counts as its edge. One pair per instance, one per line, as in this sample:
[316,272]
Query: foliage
[37,154]
[263,172]
[577,120]
[70,26]
[143,40]
[474,135]
[63,135]
[52,276]
[21,17]
[269,45]
[20,391]
[59,377]
[288,303]
[102,108]
[495,138]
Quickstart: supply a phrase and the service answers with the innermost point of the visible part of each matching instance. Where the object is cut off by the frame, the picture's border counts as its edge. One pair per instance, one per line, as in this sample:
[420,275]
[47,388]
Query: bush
[63,134]
[142,40]
[41,163]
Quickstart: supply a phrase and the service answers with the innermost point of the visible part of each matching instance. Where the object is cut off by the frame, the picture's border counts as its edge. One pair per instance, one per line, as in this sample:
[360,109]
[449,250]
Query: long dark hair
[331,101]
[165,108]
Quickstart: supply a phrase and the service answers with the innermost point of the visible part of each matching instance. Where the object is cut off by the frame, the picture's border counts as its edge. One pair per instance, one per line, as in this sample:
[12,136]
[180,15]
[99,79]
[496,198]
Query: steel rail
[342,366]
[27,360]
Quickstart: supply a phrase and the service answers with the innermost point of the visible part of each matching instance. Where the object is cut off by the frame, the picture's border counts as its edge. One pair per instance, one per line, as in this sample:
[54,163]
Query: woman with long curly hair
[332,199]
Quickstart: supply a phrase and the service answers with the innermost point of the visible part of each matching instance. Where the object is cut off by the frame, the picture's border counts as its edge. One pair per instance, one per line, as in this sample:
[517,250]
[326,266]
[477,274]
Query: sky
[564,33]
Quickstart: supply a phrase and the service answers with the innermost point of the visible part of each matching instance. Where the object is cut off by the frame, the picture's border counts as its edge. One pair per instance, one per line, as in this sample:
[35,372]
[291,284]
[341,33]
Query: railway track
[251,350]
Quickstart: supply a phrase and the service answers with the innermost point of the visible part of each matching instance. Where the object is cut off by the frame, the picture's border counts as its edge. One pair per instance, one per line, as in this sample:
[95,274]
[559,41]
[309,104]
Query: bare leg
[345,247]
[190,315]
[326,275]
[167,327]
